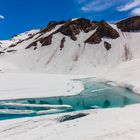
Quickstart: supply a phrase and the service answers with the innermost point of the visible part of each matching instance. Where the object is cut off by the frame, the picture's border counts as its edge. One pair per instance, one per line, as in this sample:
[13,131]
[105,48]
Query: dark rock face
[94,38]
[51,26]
[70,28]
[103,30]
[11,51]
[73,28]
[107,31]
[62,43]
[46,40]
[130,24]
[13,45]
[72,117]
[1,52]
[32,44]
[107,45]
[35,48]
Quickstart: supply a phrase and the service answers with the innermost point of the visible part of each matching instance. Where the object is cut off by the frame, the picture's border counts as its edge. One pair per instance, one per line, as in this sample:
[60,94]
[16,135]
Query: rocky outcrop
[94,38]
[73,27]
[70,28]
[62,43]
[13,45]
[46,40]
[129,25]
[103,30]
[1,52]
[71,117]
[107,45]
[11,51]
[32,44]
[51,26]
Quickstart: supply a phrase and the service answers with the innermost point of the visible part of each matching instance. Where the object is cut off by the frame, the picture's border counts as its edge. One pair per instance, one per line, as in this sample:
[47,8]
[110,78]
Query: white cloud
[89,6]
[136,11]
[2,17]
[129,5]
[96,5]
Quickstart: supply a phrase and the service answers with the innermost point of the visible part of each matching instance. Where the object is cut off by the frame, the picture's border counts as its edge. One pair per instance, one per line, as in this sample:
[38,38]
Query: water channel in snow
[95,95]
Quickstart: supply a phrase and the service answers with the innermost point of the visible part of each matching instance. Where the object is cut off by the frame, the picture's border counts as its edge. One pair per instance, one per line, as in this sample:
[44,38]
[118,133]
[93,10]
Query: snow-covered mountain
[17,38]
[108,52]
[77,46]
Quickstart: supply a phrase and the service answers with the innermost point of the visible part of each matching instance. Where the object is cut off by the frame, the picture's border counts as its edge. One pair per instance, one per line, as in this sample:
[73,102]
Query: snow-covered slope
[17,38]
[107,124]
[78,46]
[109,52]
[24,35]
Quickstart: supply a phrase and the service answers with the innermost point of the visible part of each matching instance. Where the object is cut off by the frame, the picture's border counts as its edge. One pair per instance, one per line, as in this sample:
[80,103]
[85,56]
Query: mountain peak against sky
[65,65]
[19,16]
[76,46]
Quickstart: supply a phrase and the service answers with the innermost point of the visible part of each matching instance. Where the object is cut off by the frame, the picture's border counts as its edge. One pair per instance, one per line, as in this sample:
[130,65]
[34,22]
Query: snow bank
[126,75]
[17,86]
[107,124]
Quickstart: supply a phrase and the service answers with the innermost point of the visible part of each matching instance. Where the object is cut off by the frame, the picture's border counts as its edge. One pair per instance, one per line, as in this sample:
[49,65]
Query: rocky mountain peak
[130,24]
[103,29]
[73,27]
[51,25]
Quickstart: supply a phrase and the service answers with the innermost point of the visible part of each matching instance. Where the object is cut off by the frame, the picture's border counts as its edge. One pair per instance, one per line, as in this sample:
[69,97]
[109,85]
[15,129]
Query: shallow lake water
[95,95]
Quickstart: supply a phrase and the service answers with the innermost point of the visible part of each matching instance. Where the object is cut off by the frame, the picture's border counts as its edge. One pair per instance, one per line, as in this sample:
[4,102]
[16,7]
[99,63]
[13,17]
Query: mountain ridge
[67,46]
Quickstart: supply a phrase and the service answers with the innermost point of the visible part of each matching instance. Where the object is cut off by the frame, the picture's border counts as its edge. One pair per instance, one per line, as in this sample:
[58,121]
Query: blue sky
[17,16]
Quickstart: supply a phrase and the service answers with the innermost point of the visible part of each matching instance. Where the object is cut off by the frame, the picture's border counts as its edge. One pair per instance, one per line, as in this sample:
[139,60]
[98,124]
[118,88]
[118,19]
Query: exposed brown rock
[46,40]
[93,27]
[107,45]
[130,24]
[35,48]
[1,52]
[73,27]
[70,28]
[11,51]
[107,31]
[31,45]
[62,43]
[51,26]
[94,38]
[13,45]
[103,30]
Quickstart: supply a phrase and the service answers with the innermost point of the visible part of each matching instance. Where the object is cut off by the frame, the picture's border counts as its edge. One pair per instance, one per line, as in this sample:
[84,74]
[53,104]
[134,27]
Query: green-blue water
[95,95]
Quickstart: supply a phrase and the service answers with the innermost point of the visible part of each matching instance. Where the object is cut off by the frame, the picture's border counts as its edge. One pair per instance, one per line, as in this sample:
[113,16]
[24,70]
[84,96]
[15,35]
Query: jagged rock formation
[51,26]
[130,24]
[70,28]
[75,46]
[74,27]
[103,30]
